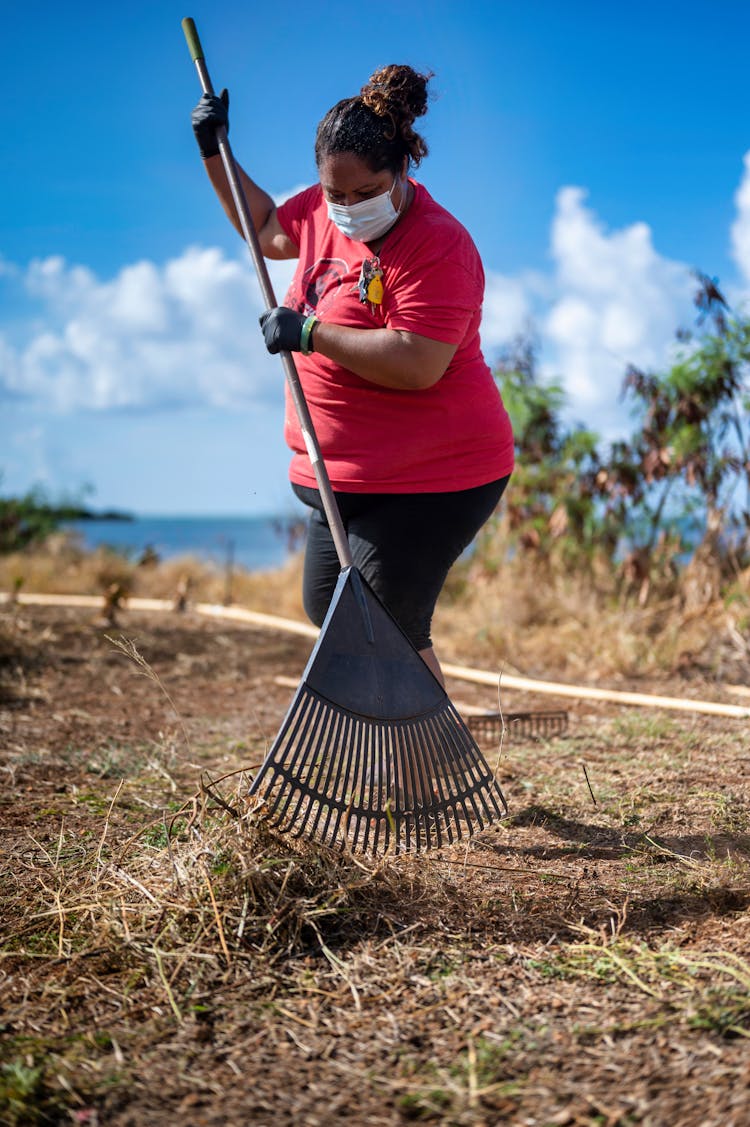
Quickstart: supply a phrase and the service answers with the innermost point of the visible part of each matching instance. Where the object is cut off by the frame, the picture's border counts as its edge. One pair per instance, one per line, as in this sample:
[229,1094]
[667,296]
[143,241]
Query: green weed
[424,1105]
[644,726]
[708,990]
[26,1097]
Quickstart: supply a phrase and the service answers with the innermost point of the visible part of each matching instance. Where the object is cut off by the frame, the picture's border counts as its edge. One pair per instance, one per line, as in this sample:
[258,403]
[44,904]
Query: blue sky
[596,153]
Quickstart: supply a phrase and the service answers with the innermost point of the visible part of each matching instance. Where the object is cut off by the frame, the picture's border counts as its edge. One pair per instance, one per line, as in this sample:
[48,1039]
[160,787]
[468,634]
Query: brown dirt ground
[584,962]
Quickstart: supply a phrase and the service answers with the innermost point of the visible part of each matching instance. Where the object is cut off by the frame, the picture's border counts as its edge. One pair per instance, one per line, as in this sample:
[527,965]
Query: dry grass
[520,616]
[62,566]
[470,977]
[165,956]
[533,620]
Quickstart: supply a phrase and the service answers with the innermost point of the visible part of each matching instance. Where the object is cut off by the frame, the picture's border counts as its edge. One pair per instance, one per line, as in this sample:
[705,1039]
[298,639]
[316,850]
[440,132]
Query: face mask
[367,219]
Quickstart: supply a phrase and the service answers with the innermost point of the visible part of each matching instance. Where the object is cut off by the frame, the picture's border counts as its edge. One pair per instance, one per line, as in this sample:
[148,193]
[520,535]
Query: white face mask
[366,220]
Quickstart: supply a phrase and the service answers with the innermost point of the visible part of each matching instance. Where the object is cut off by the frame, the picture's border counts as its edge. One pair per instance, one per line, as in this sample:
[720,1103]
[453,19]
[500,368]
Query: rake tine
[400,785]
[444,781]
[413,760]
[362,780]
[421,755]
[337,791]
[375,791]
[286,772]
[322,766]
[454,784]
[437,732]
[368,784]
[332,759]
[487,786]
[357,781]
[388,819]
[441,793]
[372,784]
[342,782]
[464,747]
[421,804]
[298,785]
[372,820]
[371,817]
[423,751]
[351,795]
[362,825]
[396,792]
[298,719]
[328,755]
[331,756]
[394,786]
[406,786]
[385,758]
[329,794]
[327,791]
[437,784]
[437,807]
[432,812]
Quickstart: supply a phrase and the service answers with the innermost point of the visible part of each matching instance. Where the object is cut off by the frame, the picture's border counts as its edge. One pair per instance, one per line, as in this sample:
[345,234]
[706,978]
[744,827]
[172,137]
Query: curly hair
[377,125]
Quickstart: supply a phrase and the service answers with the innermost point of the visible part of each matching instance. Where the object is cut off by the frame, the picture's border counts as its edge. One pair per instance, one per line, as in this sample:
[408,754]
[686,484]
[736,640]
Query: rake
[372,755]
[525,725]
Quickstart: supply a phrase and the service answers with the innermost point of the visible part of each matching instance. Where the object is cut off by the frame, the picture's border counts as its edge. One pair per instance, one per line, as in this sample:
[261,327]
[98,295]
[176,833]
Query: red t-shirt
[453,435]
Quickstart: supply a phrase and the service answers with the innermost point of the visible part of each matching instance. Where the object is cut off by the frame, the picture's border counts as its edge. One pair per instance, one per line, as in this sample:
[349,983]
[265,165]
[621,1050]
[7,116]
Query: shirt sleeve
[439,294]
[293,212]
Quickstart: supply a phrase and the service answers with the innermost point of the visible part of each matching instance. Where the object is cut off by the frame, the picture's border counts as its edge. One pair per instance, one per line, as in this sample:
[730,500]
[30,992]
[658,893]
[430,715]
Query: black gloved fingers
[282,329]
[210,113]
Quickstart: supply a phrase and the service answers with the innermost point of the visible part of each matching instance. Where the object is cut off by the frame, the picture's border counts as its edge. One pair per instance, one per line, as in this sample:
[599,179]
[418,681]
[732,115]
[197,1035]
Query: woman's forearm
[386,357]
[274,242]
[259,202]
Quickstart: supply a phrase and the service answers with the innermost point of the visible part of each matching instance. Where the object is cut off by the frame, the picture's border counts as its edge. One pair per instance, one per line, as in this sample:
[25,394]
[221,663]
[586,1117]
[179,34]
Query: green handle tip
[193,42]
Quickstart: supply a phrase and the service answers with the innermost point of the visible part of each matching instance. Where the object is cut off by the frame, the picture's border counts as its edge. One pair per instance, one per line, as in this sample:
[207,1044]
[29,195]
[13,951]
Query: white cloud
[506,311]
[617,302]
[179,334]
[610,300]
[741,226]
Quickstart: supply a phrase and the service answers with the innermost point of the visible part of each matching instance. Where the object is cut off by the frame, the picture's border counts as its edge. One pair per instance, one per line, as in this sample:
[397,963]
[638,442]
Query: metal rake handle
[343,551]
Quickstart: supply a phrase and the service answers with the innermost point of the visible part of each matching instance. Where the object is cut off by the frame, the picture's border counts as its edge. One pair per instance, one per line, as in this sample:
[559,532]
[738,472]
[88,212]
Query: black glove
[210,112]
[282,329]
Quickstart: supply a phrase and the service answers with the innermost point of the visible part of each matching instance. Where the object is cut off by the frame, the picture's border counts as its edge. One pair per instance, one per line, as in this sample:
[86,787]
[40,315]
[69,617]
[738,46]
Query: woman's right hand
[211,112]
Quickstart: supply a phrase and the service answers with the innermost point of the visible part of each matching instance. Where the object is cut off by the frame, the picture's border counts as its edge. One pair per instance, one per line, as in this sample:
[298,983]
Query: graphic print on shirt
[319,286]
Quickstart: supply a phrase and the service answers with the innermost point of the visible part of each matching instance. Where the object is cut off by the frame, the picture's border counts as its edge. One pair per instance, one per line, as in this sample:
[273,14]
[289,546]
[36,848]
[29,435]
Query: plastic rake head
[348,780]
[372,753]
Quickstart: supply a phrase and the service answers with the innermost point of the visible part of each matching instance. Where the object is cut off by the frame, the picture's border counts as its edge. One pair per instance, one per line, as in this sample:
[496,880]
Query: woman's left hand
[282,329]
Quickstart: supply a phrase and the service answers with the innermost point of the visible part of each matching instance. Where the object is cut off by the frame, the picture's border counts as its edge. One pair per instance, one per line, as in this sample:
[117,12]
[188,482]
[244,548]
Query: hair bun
[398,94]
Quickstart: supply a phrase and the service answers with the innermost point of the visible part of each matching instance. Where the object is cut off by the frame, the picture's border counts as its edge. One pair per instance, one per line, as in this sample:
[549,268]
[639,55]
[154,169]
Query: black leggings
[404,544]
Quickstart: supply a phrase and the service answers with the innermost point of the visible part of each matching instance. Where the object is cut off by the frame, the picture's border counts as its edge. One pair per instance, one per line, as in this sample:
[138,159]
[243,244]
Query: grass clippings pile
[166,957]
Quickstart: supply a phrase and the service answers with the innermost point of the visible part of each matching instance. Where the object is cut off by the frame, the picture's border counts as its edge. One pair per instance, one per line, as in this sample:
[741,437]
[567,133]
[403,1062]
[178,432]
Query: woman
[384,312]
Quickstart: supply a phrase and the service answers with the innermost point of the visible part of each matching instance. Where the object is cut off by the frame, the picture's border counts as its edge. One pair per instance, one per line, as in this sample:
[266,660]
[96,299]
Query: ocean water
[252,543]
